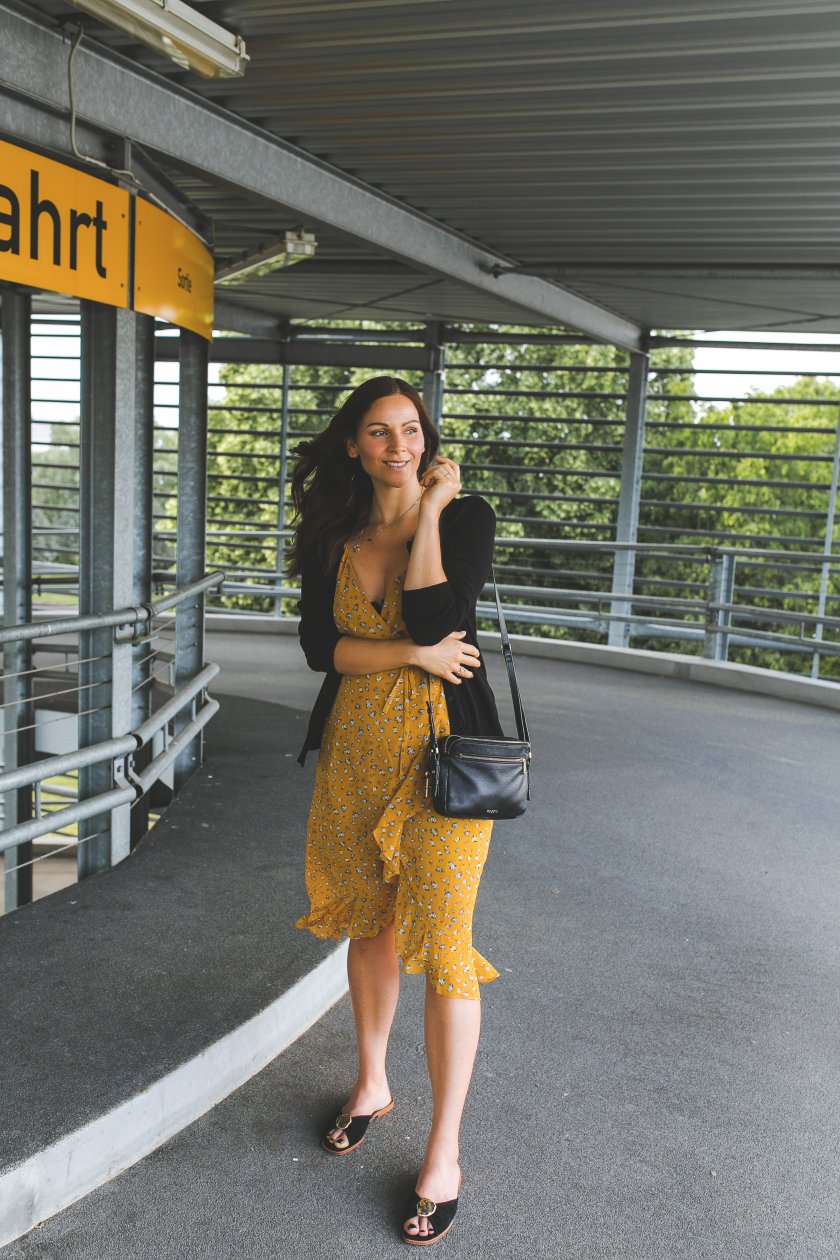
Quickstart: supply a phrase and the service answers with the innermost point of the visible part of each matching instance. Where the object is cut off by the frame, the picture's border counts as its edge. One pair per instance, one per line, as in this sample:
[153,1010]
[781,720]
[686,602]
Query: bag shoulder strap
[507,652]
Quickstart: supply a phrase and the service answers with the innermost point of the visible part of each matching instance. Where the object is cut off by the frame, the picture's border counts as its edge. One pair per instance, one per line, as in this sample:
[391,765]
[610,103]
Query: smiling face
[390,442]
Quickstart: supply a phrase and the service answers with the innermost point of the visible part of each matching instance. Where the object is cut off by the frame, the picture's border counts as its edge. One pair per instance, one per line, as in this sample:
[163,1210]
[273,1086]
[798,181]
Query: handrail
[48,767]
[155,769]
[109,750]
[120,617]
[215,578]
[22,832]
[121,746]
[774,614]
[166,712]
[120,750]
[675,549]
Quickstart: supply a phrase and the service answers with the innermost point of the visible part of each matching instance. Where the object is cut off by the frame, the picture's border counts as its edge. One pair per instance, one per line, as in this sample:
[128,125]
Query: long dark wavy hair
[331,492]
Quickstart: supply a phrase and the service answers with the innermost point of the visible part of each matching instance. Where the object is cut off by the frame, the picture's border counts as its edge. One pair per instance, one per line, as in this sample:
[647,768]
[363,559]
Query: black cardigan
[467,534]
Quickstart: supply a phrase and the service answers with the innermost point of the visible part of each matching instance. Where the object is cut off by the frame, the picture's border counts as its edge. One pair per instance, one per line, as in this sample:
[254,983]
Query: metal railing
[538,422]
[133,762]
[542,433]
[712,618]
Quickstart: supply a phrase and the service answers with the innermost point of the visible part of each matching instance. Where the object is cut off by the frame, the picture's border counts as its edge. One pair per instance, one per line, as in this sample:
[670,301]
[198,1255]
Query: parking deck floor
[658,1074]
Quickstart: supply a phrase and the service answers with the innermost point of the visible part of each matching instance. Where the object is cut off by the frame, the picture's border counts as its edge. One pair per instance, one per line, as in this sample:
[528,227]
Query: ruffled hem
[335,921]
[459,976]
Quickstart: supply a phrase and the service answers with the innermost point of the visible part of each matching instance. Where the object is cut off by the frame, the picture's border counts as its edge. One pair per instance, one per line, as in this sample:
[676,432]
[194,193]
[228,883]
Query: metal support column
[106,565]
[192,528]
[144,442]
[829,543]
[282,476]
[721,589]
[18,742]
[433,375]
[627,525]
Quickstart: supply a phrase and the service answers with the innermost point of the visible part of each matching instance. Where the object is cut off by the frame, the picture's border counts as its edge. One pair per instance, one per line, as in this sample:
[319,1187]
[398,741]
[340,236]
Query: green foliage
[55,501]
[547,427]
[165,491]
[758,473]
[539,430]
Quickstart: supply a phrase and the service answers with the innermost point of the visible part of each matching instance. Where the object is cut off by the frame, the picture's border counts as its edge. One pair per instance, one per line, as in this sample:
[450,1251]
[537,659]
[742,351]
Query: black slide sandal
[439,1215]
[355,1128]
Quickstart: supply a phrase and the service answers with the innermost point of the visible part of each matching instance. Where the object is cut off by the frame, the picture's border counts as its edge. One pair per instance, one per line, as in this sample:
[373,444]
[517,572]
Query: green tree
[55,504]
[755,473]
[539,429]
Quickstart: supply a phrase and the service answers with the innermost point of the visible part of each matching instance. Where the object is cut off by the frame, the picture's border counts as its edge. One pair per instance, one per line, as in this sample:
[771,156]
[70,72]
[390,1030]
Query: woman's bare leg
[452,1028]
[374,976]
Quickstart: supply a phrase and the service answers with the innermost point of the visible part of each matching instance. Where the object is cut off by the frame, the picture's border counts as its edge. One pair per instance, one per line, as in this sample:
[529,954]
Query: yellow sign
[65,231]
[173,271]
[62,230]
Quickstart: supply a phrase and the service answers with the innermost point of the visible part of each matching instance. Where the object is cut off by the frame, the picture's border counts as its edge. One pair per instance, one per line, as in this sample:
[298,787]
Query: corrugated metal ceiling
[678,163]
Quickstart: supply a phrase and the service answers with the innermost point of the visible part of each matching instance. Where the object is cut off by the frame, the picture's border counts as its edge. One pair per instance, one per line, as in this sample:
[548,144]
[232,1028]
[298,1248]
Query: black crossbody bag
[476,776]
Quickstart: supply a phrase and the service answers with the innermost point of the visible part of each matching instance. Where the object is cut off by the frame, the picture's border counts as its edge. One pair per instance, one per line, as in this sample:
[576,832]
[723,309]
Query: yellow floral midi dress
[376,851]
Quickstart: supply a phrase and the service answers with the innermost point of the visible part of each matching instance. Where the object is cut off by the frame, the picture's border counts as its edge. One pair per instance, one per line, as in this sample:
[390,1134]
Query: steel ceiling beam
[309,353]
[31,124]
[110,91]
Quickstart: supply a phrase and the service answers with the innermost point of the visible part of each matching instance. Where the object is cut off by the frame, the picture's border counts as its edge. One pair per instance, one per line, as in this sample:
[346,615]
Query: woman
[391,565]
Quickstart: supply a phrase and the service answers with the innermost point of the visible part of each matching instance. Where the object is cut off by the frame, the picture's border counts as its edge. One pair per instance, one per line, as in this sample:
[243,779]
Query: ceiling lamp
[177,31]
[293,247]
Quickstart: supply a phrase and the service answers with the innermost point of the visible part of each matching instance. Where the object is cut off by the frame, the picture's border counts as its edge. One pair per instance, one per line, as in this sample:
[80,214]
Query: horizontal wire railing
[537,421]
[52,778]
[532,507]
[560,604]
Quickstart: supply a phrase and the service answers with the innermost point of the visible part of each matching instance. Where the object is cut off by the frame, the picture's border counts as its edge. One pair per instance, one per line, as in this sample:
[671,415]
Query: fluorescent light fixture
[177,31]
[293,247]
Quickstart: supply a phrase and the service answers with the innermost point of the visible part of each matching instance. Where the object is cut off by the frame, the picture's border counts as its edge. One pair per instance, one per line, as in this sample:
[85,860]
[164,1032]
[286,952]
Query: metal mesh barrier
[165,466]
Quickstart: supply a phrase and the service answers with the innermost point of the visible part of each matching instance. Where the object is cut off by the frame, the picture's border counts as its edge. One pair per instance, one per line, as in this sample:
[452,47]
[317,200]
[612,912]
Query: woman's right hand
[452,658]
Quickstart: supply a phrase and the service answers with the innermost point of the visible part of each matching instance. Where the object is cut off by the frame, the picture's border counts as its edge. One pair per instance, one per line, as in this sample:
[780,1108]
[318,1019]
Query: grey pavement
[658,1073]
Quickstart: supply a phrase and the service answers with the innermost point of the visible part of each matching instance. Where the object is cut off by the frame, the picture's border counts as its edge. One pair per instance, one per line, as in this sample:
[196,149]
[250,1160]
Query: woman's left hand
[441,483]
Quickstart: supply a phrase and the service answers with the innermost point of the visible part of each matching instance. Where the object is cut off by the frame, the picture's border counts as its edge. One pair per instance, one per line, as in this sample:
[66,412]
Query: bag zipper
[480,757]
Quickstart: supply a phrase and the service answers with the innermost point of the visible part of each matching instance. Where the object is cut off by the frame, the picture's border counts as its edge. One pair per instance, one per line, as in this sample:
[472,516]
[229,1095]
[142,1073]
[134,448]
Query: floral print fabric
[375,848]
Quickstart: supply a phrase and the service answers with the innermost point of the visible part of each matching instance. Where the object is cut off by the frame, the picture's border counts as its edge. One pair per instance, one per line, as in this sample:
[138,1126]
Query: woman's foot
[364,1100]
[441,1182]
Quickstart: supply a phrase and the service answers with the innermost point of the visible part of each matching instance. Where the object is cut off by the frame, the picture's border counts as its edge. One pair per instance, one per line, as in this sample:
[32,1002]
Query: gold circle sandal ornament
[439,1217]
[353,1130]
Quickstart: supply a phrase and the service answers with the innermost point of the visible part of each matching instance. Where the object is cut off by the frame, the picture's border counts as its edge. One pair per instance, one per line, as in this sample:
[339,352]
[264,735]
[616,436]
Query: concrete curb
[60,1174]
[766,682]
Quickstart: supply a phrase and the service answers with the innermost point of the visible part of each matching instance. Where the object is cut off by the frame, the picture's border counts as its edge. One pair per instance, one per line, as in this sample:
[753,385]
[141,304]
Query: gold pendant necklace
[357,546]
